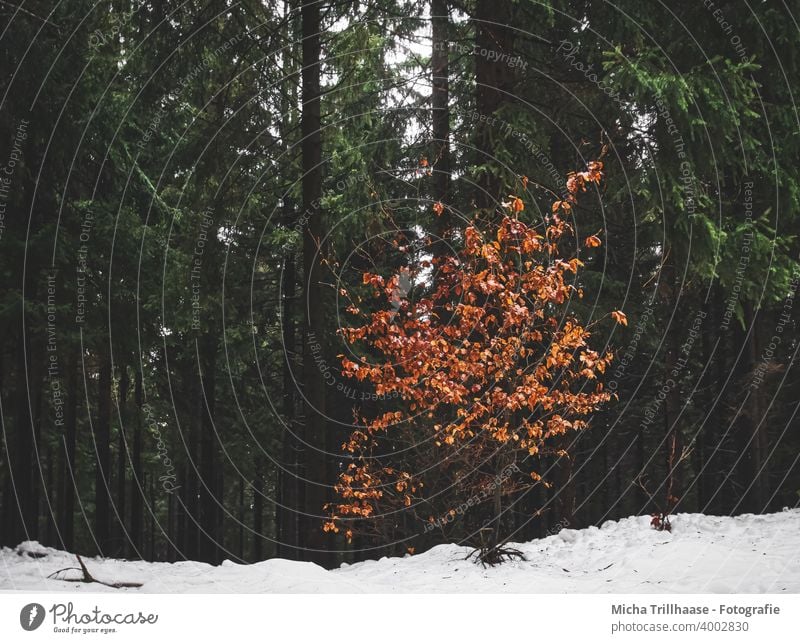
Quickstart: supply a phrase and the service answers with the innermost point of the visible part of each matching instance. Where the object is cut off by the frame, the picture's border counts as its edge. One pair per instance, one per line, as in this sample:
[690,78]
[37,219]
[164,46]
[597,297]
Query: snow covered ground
[745,554]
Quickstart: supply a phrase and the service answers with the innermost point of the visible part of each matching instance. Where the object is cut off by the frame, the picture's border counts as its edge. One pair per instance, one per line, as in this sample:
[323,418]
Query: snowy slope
[745,554]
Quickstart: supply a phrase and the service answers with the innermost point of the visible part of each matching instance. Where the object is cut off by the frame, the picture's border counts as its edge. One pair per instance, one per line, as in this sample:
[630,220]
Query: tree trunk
[440,107]
[241,518]
[40,498]
[122,458]
[287,474]
[287,478]
[755,425]
[494,85]
[642,500]
[172,552]
[66,504]
[22,466]
[102,443]
[137,491]
[702,438]
[190,474]
[714,457]
[497,510]
[51,491]
[152,495]
[673,489]
[564,504]
[316,463]
[258,512]
[209,492]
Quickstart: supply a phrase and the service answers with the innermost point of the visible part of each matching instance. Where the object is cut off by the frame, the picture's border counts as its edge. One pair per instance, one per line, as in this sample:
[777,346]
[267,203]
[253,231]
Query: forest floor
[745,554]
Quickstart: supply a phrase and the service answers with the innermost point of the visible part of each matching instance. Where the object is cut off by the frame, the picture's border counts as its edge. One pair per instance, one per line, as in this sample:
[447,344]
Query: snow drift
[745,554]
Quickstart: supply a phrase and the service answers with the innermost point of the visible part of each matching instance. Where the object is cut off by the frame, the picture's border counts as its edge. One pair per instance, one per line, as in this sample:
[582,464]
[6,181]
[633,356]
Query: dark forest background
[174,172]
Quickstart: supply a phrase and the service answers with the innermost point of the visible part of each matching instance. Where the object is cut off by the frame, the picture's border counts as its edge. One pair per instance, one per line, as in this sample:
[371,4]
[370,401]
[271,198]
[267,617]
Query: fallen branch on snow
[86,577]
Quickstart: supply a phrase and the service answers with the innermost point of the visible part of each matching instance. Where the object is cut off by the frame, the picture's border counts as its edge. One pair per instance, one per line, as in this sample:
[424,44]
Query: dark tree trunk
[494,85]
[67,488]
[440,107]
[642,500]
[755,425]
[737,467]
[50,493]
[564,504]
[22,466]
[152,496]
[7,514]
[714,456]
[288,479]
[40,498]
[5,474]
[137,505]
[185,519]
[122,458]
[209,476]
[172,553]
[673,488]
[258,512]
[241,518]
[497,511]
[190,488]
[102,443]
[316,463]
[705,437]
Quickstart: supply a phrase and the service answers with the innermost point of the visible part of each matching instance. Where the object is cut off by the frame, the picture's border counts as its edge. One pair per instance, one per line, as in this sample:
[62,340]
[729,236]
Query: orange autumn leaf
[560,205]
[592,242]
[620,317]
[438,208]
[516,204]
[423,162]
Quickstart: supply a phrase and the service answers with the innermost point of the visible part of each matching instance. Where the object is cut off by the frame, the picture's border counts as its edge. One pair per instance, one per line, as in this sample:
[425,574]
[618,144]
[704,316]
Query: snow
[702,554]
